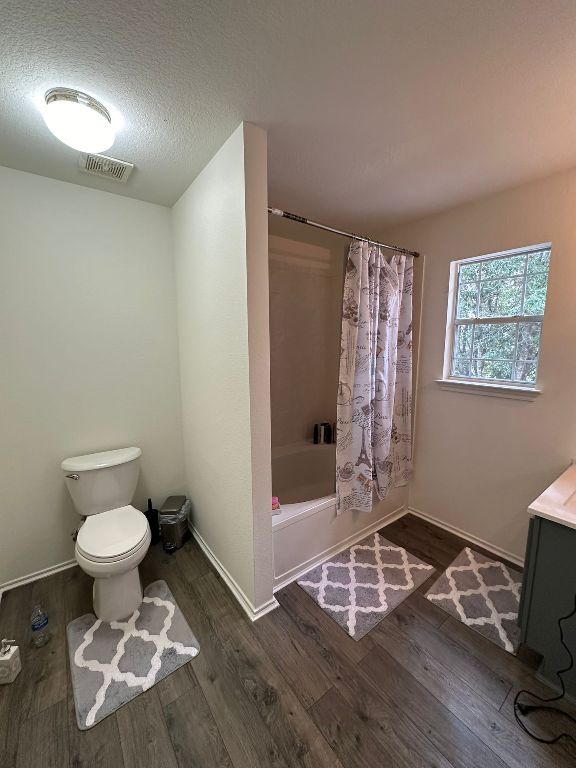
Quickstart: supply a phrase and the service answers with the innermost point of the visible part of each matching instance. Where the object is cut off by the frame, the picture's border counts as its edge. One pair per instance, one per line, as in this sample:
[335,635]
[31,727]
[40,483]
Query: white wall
[88,354]
[256,212]
[305,309]
[220,247]
[481,460]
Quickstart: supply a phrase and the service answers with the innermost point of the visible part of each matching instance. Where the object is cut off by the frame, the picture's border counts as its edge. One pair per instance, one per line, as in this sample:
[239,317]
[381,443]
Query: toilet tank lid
[100,460]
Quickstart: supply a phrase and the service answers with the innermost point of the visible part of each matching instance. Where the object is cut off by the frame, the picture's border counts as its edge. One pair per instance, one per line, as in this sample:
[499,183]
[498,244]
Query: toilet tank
[102,481]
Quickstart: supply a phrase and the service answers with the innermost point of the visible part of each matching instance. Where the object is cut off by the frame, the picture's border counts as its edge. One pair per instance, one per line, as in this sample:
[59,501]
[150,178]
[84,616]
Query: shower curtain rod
[302,220]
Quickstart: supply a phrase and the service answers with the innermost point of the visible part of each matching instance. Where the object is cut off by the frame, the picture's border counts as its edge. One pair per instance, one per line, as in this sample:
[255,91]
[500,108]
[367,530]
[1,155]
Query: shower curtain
[374,440]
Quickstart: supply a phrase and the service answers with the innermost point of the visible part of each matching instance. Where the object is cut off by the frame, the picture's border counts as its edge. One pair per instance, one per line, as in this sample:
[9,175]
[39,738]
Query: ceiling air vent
[105,167]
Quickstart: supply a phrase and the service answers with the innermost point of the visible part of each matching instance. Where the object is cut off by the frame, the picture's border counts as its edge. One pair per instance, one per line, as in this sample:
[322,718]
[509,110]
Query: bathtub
[308,531]
[300,473]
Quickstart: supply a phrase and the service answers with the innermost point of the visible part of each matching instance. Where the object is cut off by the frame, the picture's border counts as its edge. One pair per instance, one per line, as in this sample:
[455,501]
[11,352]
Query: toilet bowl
[110,547]
[115,536]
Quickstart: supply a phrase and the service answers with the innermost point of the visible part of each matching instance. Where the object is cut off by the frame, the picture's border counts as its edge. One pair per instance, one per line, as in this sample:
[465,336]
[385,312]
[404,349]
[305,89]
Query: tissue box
[10,664]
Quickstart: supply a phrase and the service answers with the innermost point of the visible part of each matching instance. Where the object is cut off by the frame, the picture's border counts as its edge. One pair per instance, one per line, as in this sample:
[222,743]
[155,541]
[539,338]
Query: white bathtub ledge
[292,513]
[291,574]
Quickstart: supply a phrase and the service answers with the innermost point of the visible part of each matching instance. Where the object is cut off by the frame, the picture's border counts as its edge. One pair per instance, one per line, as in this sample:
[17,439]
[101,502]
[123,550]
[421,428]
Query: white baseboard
[35,576]
[251,611]
[469,536]
[294,573]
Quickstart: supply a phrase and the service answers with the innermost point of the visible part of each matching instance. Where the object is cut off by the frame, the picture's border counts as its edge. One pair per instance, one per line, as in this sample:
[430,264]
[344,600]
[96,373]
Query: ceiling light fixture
[78,120]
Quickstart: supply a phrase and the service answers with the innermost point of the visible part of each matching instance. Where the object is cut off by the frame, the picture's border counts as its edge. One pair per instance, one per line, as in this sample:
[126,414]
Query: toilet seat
[112,536]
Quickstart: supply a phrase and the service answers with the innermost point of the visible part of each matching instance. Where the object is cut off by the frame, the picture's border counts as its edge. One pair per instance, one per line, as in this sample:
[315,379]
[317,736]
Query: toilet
[115,536]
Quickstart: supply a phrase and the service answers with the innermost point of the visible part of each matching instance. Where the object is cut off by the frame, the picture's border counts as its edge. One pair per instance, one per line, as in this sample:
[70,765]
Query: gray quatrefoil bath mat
[484,594]
[112,663]
[361,585]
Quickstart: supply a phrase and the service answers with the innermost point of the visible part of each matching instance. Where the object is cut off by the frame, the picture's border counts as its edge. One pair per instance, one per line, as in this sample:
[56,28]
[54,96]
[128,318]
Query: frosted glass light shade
[78,120]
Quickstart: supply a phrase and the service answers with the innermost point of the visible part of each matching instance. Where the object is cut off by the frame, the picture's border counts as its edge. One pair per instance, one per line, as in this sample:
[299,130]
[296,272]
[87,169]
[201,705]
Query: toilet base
[117,597]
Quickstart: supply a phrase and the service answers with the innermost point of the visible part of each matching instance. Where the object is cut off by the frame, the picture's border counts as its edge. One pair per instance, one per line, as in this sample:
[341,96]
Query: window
[495,317]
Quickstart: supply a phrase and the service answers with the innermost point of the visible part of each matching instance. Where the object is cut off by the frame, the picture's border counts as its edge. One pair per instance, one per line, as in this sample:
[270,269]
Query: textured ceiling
[376,110]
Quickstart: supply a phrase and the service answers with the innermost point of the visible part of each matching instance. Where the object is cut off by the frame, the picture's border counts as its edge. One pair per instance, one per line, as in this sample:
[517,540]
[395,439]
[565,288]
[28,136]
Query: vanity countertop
[558,501]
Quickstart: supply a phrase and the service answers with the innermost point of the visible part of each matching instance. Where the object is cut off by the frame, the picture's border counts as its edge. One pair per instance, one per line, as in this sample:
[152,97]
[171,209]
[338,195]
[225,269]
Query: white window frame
[503,387]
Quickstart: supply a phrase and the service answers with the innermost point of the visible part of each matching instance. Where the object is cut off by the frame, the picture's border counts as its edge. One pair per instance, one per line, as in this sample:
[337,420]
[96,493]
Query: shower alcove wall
[306,271]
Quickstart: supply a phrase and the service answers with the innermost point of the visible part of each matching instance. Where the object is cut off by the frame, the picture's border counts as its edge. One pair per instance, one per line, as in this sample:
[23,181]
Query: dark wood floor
[291,690]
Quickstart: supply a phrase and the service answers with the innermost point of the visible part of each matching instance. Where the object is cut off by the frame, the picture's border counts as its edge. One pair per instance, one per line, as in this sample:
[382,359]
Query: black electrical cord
[525,709]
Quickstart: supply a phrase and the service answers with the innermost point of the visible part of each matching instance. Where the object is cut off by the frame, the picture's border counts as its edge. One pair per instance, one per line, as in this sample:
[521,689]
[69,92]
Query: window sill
[491,390]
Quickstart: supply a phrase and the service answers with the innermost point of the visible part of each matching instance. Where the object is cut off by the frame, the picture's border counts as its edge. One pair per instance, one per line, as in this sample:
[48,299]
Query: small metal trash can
[173,519]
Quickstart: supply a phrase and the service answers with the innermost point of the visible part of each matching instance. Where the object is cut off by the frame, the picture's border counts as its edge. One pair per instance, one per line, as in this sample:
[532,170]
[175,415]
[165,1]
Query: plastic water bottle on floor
[39,624]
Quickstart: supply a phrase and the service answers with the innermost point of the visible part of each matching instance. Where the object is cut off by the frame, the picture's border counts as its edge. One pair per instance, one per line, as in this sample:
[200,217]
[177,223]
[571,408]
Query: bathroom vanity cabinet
[549,583]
